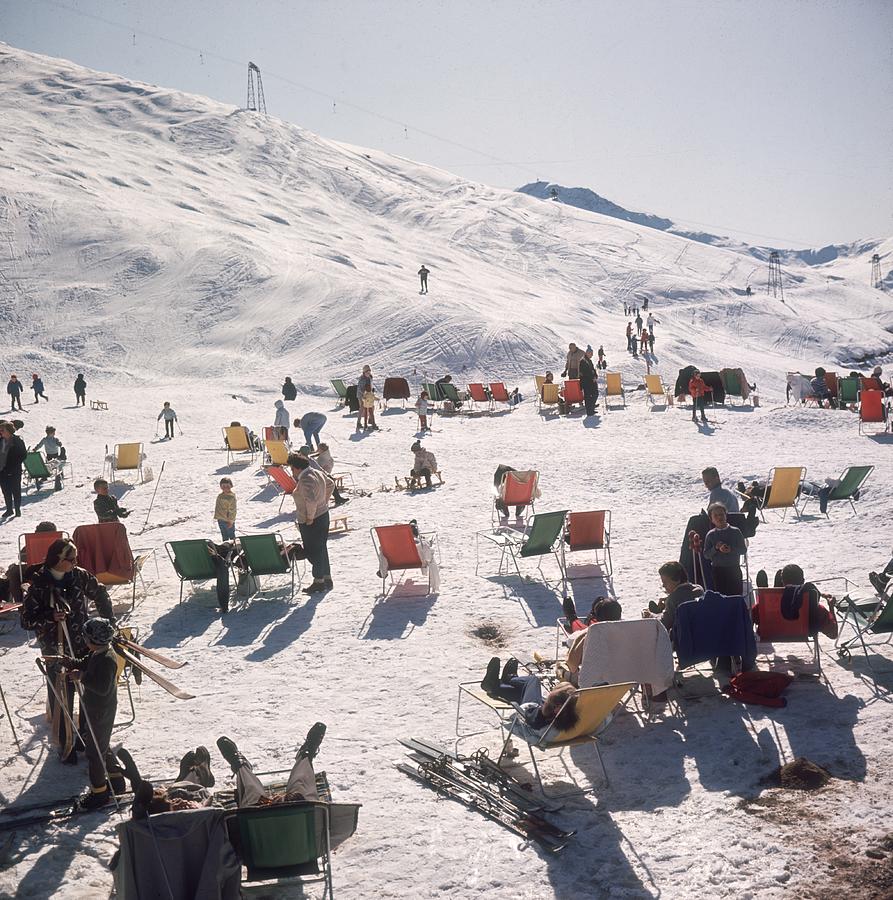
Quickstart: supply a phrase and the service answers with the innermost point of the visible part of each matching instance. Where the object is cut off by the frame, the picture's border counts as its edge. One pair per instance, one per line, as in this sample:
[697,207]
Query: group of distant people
[15,388]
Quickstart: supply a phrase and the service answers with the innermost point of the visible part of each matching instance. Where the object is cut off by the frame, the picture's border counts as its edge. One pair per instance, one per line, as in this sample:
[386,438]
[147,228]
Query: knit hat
[589,348]
[99,631]
[416,446]
[305,450]
[877,370]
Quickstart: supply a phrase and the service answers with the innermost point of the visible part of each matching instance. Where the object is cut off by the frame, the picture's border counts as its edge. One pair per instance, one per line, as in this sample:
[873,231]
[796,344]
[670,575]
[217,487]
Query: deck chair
[104,551]
[591,531]
[396,545]
[236,439]
[538,382]
[594,706]
[548,395]
[872,620]
[573,394]
[36,471]
[478,394]
[847,488]
[126,457]
[614,388]
[192,561]
[433,390]
[123,675]
[286,841]
[773,628]
[395,389]
[782,489]
[33,547]
[848,390]
[655,390]
[499,393]
[278,452]
[734,384]
[449,392]
[833,386]
[517,489]
[872,410]
[340,389]
[264,554]
[798,388]
[283,480]
[544,535]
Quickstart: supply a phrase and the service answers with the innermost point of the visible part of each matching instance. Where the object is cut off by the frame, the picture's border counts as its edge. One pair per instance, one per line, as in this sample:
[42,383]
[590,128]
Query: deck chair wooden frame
[872,411]
[542,536]
[397,543]
[548,395]
[264,555]
[515,491]
[655,391]
[782,489]
[236,440]
[478,394]
[614,388]
[124,675]
[871,619]
[191,559]
[594,706]
[591,531]
[850,482]
[773,629]
[500,394]
[286,842]
[126,458]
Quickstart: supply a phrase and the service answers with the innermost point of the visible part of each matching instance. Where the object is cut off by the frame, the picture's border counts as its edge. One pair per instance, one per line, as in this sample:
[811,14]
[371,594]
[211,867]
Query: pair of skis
[480,784]
[49,813]
[131,652]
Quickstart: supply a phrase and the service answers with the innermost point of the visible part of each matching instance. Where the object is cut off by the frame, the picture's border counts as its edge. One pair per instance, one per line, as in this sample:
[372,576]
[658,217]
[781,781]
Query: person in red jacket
[698,390]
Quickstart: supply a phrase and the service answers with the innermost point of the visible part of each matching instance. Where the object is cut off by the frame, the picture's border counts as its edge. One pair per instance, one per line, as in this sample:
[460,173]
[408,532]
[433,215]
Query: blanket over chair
[103,550]
[636,650]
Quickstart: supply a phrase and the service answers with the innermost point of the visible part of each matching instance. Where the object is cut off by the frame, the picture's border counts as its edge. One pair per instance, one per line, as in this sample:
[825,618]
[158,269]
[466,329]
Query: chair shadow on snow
[397,615]
[879,680]
[286,631]
[251,618]
[283,518]
[540,603]
[184,621]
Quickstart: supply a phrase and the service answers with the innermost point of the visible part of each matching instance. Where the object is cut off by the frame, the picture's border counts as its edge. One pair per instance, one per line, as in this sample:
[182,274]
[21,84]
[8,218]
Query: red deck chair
[517,489]
[867,384]
[871,409]
[499,392]
[397,544]
[104,551]
[479,395]
[283,481]
[592,531]
[573,393]
[774,628]
[831,381]
[35,546]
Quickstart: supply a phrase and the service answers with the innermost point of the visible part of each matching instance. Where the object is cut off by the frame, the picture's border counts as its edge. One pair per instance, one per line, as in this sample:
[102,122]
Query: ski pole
[178,427]
[152,503]
[9,716]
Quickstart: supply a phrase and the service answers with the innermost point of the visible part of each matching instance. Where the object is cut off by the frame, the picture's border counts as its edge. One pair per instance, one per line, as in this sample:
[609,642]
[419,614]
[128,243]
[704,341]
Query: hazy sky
[769,119]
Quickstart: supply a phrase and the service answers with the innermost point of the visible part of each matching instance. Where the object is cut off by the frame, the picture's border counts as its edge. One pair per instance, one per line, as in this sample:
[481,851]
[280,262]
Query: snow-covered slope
[584,198]
[146,230]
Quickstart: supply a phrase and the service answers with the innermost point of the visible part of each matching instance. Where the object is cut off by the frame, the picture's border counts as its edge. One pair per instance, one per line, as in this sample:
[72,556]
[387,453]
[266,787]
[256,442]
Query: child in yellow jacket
[225,510]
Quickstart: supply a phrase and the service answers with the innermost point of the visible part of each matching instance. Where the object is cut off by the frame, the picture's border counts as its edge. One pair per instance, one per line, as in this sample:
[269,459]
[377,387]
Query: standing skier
[423,279]
[14,389]
[602,362]
[638,322]
[169,417]
[37,387]
[589,382]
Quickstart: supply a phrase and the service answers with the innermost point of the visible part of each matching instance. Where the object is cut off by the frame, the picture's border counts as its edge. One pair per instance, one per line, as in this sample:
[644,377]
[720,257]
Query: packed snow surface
[172,248]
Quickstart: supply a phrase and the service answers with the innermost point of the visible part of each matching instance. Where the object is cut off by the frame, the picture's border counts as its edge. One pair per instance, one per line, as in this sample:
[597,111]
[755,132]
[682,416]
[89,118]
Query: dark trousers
[11,485]
[169,428]
[520,689]
[590,396]
[316,545]
[100,758]
[698,403]
[424,283]
[728,580]
[80,399]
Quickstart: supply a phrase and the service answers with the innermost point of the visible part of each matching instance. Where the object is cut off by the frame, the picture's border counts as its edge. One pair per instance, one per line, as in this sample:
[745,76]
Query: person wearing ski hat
[97,675]
[589,381]
[63,593]
[337,496]
[14,389]
[424,465]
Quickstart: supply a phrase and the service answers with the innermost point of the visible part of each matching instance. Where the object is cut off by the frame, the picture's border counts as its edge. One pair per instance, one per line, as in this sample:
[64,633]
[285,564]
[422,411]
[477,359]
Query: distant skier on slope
[423,279]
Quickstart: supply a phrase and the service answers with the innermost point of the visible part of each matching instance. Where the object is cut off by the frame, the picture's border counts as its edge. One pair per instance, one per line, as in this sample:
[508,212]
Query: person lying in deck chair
[539,714]
[880,580]
[797,591]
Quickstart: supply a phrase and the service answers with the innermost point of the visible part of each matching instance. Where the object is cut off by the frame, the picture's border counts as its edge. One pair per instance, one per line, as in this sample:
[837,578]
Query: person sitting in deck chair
[575,623]
[498,477]
[539,714]
[19,574]
[674,580]
[603,610]
[820,389]
[798,590]
[880,580]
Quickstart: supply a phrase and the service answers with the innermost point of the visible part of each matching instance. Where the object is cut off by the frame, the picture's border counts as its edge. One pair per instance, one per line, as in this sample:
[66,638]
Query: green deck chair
[847,390]
[36,468]
[449,392]
[191,561]
[849,484]
[264,554]
[340,389]
[873,620]
[540,538]
[433,389]
[731,381]
[286,840]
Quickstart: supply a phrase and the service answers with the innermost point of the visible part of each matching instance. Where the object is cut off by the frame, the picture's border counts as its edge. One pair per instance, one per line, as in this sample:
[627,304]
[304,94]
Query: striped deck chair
[548,395]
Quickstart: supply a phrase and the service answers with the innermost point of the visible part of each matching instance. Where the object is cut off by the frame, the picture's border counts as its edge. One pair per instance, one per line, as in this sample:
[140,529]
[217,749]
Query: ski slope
[172,248]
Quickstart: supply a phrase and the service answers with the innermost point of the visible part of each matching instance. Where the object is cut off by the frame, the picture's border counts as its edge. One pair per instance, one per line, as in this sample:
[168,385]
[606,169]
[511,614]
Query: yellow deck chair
[782,489]
[548,395]
[126,457]
[237,441]
[594,705]
[614,387]
[278,453]
[655,390]
[539,381]
[123,674]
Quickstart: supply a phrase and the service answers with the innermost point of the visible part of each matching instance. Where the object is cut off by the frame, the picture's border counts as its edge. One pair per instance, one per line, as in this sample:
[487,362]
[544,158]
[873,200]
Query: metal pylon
[775,286]
[256,99]
[876,280]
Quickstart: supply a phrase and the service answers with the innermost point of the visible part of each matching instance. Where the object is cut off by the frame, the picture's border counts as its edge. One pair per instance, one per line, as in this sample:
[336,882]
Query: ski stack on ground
[479,784]
[33,814]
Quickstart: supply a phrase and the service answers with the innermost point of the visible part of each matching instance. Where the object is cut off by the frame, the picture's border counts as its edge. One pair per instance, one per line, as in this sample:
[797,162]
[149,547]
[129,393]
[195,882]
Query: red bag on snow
[761,688]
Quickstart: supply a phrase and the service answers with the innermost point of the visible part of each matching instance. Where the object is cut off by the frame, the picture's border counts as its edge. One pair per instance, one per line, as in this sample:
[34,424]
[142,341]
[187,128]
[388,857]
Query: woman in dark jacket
[12,455]
[589,382]
[289,391]
[80,390]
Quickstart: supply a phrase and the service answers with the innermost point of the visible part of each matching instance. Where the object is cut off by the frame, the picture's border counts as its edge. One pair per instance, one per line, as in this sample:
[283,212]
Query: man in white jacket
[311,496]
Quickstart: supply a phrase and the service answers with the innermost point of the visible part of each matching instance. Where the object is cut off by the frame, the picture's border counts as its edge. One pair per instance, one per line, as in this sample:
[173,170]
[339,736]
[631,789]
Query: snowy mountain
[146,230]
[584,198]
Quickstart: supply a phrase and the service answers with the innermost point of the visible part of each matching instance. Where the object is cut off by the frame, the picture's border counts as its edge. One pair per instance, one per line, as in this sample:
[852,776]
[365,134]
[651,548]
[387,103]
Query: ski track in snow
[302,261]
